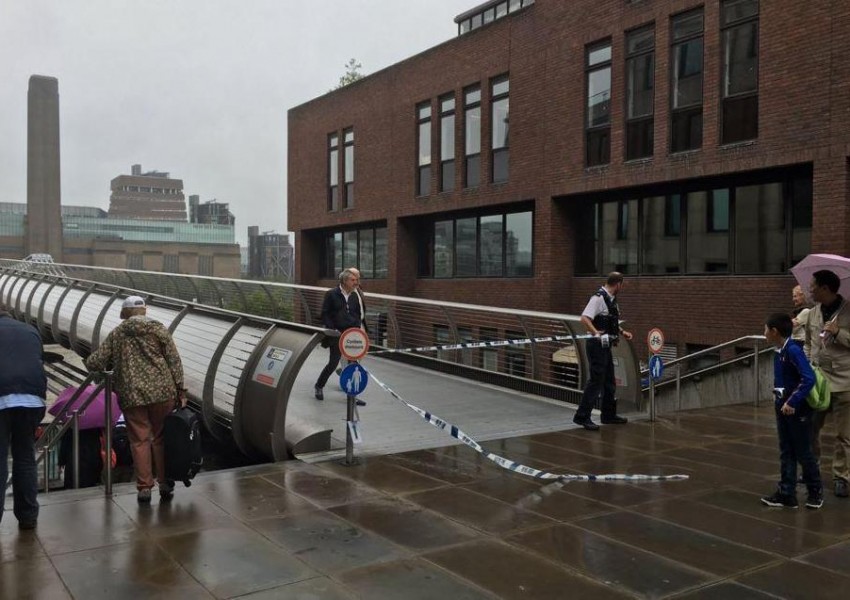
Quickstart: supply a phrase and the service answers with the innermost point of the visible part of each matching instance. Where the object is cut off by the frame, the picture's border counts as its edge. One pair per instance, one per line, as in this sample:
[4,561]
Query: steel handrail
[705,351]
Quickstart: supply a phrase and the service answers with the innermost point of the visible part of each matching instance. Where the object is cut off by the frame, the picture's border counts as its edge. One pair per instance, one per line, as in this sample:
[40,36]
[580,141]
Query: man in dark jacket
[341,310]
[23,386]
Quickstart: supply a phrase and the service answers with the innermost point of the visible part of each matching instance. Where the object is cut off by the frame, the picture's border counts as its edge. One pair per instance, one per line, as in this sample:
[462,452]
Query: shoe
[840,488]
[144,496]
[778,500]
[814,501]
[587,424]
[319,394]
[615,420]
[360,402]
[166,491]
[338,372]
[27,525]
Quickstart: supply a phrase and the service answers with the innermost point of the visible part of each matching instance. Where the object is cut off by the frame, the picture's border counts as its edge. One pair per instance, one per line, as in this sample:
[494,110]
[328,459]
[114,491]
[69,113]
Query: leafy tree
[352,73]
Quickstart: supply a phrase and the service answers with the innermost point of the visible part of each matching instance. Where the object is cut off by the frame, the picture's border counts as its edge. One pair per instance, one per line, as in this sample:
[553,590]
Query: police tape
[490,344]
[515,466]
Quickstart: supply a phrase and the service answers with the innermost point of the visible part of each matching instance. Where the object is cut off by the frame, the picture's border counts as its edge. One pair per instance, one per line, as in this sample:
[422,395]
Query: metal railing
[679,376]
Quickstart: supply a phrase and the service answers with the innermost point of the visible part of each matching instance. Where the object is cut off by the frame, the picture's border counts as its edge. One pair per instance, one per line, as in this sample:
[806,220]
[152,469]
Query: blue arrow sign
[656,367]
[353,379]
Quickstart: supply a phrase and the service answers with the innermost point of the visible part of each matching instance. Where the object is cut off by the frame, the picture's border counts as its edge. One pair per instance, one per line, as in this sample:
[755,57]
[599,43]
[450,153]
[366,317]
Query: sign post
[353,345]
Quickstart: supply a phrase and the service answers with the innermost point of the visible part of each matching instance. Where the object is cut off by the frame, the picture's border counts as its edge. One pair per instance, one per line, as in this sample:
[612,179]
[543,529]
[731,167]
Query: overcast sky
[198,88]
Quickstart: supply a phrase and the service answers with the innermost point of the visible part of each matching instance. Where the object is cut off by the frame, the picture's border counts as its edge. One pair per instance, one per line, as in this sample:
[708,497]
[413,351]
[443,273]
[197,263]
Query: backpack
[819,397]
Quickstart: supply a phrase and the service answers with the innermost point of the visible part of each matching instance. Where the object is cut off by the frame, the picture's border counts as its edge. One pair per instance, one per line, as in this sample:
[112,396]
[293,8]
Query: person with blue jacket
[793,379]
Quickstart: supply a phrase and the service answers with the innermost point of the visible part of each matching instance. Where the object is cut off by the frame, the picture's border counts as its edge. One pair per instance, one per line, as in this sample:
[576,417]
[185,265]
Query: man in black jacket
[341,310]
[23,386]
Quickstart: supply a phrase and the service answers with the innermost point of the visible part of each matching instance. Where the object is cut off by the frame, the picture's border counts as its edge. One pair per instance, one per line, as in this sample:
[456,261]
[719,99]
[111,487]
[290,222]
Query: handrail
[704,351]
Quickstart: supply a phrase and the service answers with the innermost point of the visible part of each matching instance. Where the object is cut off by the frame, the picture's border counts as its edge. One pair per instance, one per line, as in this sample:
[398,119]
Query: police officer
[601,318]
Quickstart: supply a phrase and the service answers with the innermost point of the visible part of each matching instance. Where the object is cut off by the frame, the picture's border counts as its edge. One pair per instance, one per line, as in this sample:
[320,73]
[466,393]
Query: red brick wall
[804,111]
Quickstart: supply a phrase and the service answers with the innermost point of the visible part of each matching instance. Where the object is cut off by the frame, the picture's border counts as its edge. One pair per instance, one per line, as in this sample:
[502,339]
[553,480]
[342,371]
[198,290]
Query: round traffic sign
[656,367]
[354,343]
[353,379]
[655,340]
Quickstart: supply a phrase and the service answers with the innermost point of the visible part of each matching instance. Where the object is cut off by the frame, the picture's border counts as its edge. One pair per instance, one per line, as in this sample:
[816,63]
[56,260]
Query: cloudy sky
[198,88]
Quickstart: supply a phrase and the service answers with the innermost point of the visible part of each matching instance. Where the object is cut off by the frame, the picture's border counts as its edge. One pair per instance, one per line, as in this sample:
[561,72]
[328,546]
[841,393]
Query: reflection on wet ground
[445,523]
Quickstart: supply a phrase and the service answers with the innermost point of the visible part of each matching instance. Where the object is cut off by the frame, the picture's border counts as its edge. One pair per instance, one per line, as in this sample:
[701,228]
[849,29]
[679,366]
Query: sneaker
[615,420]
[360,402]
[814,501]
[319,394]
[840,488]
[166,491]
[27,525]
[778,500]
[144,496]
[587,424]
[338,371]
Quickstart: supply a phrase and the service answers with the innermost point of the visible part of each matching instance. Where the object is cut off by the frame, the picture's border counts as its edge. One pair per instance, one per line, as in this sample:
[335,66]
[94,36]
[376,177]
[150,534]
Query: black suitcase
[182,439]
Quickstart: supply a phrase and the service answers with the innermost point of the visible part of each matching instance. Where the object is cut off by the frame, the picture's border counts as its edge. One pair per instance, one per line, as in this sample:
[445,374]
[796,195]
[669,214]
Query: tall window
[598,142]
[686,81]
[472,139]
[739,19]
[640,92]
[447,143]
[423,160]
[333,172]
[348,138]
[364,248]
[500,109]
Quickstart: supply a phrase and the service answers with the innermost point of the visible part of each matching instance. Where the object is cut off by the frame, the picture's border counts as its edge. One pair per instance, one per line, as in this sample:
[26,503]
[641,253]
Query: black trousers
[795,446]
[333,361]
[601,382]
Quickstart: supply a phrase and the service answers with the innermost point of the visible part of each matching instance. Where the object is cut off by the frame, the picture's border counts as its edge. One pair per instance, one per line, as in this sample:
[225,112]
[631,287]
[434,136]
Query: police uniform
[602,309]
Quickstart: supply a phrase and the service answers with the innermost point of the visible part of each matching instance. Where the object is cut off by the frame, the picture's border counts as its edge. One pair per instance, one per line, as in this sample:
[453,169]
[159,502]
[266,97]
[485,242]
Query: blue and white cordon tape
[491,344]
[515,466]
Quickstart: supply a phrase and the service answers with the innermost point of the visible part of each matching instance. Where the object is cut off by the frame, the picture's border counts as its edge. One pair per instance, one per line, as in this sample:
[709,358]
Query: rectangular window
[686,70]
[640,92]
[760,236]
[366,253]
[333,172]
[620,225]
[136,262]
[740,39]
[598,129]
[171,263]
[801,218]
[661,249]
[466,247]
[205,266]
[444,246]
[490,247]
[423,160]
[333,254]
[472,137]
[364,248]
[708,231]
[382,253]
[447,143]
[499,111]
[518,250]
[348,140]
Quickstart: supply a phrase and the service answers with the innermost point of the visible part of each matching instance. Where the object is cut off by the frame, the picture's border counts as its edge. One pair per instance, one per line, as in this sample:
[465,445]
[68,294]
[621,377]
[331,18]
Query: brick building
[701,147]
[153,196]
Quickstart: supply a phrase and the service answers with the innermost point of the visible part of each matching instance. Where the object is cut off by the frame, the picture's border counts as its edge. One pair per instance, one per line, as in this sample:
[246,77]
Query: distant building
[211,212]
[152,195]
[270,255]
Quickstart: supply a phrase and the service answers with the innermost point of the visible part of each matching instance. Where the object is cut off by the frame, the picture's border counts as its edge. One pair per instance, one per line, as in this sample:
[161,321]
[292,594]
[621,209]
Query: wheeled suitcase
[182,440]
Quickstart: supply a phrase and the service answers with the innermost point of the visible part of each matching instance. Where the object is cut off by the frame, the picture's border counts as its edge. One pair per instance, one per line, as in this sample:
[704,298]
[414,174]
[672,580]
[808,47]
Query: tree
[352,73]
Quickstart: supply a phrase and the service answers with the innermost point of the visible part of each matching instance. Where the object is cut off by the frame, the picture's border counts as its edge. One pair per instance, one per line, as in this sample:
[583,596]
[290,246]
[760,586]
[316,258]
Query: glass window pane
[640,41]
[447,137]
[473,96]
[333,141]
[735,10]
[598,55]
[587,239]
[366,262]
[686,130]
[599,97]
[687,25]
[740,59]
[760,229]
[501,165]
[501,10]
[465,247]
[349,164]
[476,21]
[350,249]
[424,111]
[708,247]
[349,136]
[425,143]
[448,176]
[382,257]
[502,86]
[639,138]
[444,249]
[801,219]
[519,244]
[473,130]
[424,179]
[640,83]
[489,15]
[687,73]
[490,254]
[447,104]
[501,109]
[740,119]
[515,4]
[619,235]
[333,167]
[473,171]
[337,265]
[661,239]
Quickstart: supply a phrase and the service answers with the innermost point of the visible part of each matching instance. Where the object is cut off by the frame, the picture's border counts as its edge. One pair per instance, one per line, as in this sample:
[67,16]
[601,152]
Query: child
[793,378]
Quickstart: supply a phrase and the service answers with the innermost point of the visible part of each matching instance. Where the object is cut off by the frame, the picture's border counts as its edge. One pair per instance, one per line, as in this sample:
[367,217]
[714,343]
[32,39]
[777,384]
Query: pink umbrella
[95,414]
[839,265]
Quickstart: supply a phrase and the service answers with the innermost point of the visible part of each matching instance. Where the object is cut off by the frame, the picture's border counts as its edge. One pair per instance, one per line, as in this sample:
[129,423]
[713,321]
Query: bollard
[107,388]
[75,422]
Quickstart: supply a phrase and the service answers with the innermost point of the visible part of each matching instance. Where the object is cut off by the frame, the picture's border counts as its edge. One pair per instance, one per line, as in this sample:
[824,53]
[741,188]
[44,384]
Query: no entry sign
[655,340]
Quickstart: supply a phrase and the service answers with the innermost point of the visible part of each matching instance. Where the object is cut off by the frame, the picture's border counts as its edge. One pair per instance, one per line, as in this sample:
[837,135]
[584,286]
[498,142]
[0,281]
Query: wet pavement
[445,523]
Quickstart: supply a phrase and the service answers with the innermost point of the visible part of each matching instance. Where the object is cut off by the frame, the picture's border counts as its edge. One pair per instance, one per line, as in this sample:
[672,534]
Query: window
[333,172]
[487,245]
[472,139]
[170,263]
[447,143]
[205,265]
[136,262]
[640,92]
[739,20]
[686,81]
[490,14]
[423,175]
[598,139]
[747,224]
[364,248]
[348,200]
[499,112]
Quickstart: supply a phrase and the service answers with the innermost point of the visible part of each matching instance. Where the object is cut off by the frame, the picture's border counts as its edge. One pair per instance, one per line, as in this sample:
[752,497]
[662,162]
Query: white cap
[133,302]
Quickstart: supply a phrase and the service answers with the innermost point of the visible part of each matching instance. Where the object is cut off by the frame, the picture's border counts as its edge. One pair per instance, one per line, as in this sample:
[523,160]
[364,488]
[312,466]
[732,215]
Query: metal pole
[349,441]
[107,390]
[75,436]
[679,385]
[46,469]
[756,369]
[651,398]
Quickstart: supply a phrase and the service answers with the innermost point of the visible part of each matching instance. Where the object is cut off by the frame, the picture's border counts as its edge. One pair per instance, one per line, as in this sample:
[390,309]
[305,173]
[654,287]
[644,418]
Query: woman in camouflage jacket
[148,380]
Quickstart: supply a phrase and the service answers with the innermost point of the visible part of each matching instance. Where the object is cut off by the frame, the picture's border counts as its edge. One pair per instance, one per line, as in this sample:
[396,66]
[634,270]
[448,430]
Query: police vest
[609,323]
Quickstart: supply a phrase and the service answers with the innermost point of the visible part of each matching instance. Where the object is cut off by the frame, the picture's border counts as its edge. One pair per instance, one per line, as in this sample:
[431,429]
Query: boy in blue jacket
[793,380]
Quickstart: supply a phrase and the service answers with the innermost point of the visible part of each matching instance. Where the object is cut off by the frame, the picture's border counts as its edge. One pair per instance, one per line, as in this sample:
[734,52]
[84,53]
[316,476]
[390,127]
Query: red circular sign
[354,343]
[655,340]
